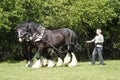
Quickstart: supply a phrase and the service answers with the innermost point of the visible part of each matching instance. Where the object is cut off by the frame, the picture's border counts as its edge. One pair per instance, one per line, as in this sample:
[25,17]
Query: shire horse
[62,41]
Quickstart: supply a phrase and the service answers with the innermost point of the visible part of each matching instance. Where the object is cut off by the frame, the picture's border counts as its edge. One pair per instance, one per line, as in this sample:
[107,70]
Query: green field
[83,71]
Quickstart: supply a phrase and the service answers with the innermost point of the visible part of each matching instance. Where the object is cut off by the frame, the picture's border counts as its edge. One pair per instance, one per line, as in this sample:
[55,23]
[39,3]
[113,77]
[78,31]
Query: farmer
[98,40]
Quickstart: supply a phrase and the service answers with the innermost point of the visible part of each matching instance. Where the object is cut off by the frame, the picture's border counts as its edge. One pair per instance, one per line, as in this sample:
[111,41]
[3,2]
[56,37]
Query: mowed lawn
[83,71]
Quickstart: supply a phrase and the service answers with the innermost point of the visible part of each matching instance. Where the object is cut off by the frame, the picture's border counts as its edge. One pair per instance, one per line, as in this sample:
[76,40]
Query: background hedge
[82,16]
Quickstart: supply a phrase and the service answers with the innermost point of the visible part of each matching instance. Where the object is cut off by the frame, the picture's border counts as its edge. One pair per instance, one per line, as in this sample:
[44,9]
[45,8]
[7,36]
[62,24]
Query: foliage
[83,16]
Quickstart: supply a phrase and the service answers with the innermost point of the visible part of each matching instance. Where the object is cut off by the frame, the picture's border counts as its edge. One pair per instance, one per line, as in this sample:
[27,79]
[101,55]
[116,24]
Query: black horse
[61,41]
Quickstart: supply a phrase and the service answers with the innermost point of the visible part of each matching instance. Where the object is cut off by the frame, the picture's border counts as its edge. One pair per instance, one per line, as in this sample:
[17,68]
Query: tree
[83,16]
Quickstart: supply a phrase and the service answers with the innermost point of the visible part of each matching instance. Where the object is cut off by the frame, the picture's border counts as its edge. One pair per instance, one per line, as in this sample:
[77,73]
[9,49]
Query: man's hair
[99,30]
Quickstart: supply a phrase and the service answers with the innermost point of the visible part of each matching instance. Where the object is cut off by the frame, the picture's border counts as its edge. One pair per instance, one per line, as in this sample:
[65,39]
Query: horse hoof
[72,65]
[36,67]
[45,62]
[58,65]
[51,66]
[38,64]
[29,64]
[60,62]
[51,63]
[66,65]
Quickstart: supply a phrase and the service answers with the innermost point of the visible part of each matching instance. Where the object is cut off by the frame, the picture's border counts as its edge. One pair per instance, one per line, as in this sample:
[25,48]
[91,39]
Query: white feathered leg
[74,60]
[51,63]
[45,62]
[67,59]
[59,62]
[29,63]
[38,64]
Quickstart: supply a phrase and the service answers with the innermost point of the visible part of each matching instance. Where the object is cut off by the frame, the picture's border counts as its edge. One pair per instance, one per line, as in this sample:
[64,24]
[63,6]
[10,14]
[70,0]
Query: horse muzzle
[20,39]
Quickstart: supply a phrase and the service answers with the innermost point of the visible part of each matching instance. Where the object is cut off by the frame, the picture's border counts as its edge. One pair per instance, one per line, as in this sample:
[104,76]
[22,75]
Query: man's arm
[91,41]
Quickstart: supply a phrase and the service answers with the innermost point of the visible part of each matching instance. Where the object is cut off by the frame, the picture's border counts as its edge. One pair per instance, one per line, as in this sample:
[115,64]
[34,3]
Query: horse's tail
[77,49]
[74,39]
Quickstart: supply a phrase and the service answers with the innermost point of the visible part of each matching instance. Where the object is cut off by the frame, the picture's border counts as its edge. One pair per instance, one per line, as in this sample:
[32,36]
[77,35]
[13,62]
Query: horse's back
[56,35]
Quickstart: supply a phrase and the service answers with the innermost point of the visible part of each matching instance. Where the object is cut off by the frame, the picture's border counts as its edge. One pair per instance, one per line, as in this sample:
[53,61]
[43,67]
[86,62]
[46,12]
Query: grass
[83,71]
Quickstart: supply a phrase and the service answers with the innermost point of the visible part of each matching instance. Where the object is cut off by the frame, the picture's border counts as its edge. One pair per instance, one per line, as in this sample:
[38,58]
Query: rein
[58,50]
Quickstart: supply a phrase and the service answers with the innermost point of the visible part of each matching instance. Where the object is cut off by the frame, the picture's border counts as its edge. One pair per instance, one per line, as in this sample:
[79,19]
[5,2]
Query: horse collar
[39,37]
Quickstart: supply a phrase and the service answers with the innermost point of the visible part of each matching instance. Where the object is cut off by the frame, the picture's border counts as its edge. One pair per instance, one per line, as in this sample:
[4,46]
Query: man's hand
[96,42]
[87,41]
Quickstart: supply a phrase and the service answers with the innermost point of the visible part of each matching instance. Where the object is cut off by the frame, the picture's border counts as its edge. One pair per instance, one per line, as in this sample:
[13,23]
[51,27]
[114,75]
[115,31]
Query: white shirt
[99,39]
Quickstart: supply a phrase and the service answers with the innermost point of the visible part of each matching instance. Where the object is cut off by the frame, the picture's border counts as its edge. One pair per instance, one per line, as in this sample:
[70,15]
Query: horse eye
[29,35]
[16,32]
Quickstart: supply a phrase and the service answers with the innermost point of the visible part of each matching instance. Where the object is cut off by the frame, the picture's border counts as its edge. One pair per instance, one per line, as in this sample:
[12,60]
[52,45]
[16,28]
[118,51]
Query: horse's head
[36,32]
[30,31]
[23,32]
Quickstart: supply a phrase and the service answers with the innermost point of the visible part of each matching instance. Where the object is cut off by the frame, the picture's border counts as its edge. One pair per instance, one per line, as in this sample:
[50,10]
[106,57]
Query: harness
[37,36]
[55,48]
[62,48]
[59,49]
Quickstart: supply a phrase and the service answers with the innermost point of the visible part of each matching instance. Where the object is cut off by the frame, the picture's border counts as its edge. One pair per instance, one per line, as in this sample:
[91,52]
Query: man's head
[98,31]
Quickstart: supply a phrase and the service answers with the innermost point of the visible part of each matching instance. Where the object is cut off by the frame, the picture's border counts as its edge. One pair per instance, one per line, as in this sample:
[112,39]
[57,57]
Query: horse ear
[27,27]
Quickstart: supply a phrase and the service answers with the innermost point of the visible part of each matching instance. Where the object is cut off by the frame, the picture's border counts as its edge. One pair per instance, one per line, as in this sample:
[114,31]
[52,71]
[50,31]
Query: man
[98,40]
